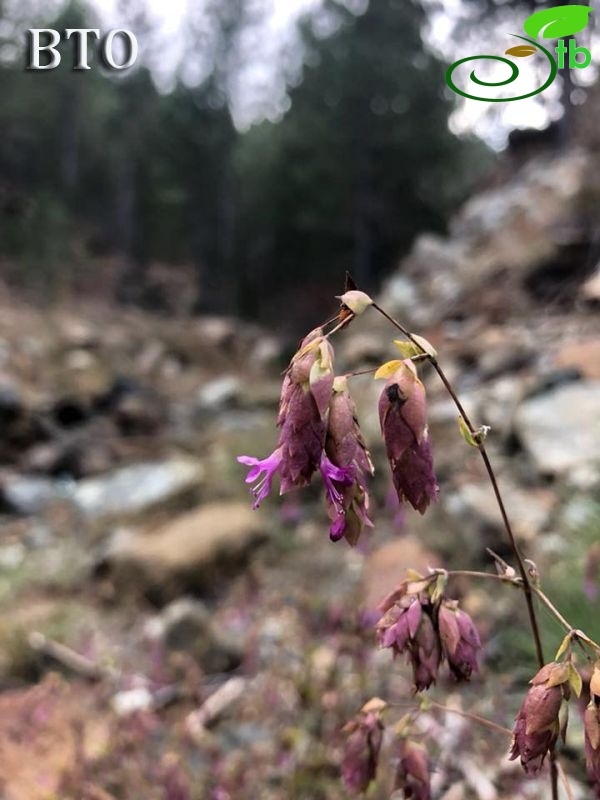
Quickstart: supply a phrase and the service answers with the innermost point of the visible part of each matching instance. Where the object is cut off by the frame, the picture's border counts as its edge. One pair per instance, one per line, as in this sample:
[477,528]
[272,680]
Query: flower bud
[345,467]
[537,724]
[356,301]
[460,640]
[403,418]
[361,754]
[413,772]
[591,724]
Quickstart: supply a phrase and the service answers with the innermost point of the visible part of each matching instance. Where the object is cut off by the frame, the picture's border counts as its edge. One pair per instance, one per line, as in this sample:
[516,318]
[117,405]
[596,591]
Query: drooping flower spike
[344,467]
[591,724]
[413,774]
[363,745]
[303,409]
[419,622]
[403,418]
[537,725]
[460,639]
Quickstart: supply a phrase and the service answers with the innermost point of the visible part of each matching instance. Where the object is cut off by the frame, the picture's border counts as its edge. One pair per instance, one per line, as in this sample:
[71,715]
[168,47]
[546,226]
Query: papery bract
[346,452]
[460,640]
[361,753]
[403,418]
[537,725]
[413,774]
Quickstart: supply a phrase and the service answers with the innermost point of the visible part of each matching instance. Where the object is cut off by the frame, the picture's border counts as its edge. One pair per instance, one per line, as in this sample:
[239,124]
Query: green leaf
[521,51]
[466,433]
[554,23]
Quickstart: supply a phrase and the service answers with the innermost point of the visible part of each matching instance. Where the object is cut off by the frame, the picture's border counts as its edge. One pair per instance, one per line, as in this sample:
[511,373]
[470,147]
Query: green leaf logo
[554,23]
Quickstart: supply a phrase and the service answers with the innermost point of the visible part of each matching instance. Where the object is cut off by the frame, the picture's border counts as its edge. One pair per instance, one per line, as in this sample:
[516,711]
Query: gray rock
[218,394]
[561,431]
[32,495]
[136,489]
[186,625]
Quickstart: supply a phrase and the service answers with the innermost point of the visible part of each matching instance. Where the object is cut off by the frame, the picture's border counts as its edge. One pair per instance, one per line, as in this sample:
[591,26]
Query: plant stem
[473,717]
[526,583]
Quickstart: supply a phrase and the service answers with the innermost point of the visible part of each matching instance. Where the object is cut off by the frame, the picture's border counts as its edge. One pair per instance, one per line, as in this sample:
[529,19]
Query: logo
[550,23]
[36,51]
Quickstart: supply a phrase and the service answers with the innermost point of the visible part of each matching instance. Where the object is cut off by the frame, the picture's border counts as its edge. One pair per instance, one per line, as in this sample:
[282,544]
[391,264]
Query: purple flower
[303,406]
[537,724]
[262,473]
[403,418]
[413,772]
[407,627]
[345,467]
[361,753]
[460,640]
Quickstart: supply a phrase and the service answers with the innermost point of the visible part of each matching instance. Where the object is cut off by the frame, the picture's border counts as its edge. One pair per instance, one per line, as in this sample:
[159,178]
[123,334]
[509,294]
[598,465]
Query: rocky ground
[158,639]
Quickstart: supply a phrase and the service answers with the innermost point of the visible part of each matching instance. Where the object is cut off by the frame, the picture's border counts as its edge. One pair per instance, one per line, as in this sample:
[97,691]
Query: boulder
[191,554]
[560,430]
[139,488]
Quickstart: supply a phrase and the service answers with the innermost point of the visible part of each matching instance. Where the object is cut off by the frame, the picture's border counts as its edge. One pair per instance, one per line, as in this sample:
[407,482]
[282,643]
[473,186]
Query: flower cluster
[429,629]
[538,725]
[363,745]
[319,431]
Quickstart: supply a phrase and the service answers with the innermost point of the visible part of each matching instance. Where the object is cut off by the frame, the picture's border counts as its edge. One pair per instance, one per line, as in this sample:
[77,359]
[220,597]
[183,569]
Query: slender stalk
[564,780]
[526,583]
[470,573]
[361,372]
[473,718]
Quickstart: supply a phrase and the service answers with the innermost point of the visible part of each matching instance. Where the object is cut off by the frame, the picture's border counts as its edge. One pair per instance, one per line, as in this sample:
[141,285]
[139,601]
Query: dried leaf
[426,346]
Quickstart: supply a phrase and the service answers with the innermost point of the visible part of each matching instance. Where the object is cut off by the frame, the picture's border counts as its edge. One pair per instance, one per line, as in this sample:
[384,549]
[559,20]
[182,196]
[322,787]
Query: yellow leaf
[565,644]
[521,51]
[575,681]
[407,349]
[387,370]
[466,433]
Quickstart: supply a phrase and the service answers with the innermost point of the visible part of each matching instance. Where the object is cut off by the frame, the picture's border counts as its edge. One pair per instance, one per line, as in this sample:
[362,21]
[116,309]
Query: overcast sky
[261,90]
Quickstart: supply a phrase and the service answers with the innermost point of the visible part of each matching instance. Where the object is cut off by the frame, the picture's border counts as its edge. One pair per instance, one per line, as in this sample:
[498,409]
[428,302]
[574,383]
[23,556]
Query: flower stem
[525,581]
[473,717]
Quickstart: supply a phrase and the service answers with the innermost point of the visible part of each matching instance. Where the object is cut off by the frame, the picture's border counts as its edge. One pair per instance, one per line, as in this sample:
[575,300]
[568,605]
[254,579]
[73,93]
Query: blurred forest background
[167,235]
[97,169]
